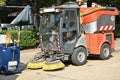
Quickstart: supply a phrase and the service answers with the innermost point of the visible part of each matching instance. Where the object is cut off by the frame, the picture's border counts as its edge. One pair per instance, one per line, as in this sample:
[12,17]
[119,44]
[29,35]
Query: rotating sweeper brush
[44,62]
[53,65]
[36,62]
[36,65]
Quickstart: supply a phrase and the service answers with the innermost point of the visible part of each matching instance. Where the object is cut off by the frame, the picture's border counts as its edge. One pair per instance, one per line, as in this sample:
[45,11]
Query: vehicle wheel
[105,52]
[79,56]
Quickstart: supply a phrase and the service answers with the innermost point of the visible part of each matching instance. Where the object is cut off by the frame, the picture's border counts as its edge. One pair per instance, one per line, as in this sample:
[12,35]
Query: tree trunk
[37,12]
[89,3]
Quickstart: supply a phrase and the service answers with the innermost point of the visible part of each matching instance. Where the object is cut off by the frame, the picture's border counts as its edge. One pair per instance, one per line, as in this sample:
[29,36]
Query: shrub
[28,38]
[117,30]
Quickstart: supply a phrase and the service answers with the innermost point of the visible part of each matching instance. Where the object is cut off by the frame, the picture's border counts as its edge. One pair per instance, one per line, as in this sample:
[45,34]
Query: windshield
[49,28]
[49,21]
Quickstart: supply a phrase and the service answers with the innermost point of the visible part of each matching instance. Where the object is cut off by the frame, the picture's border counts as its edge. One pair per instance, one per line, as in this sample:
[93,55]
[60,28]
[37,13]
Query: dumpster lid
[3,39]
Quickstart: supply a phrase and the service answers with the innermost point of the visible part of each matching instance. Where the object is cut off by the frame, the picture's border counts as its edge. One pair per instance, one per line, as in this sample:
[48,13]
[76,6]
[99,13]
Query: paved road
[95,69]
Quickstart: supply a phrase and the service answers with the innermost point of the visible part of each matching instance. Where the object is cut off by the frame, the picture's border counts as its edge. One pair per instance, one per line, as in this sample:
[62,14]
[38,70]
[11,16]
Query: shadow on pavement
[8,77]
[95,57]
[91,58]
[22,66]
[12,76]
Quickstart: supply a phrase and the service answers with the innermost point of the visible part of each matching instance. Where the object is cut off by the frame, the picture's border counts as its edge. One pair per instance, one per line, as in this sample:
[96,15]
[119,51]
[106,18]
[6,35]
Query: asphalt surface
[94,69]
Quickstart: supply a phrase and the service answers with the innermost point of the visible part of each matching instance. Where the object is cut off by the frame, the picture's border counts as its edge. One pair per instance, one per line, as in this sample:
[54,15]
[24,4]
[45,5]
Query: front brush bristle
[35,65]
[53,65]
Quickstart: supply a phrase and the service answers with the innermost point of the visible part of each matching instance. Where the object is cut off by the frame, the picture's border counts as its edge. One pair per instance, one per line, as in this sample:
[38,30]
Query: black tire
[105,51]
[79,56]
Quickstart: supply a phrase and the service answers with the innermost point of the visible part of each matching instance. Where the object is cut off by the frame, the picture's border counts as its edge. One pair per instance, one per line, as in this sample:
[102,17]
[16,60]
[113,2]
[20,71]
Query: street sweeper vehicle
[70,32]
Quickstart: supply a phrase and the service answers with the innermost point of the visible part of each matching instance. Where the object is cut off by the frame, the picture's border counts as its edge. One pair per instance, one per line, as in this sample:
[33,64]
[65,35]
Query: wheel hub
[81,56]
[106,52]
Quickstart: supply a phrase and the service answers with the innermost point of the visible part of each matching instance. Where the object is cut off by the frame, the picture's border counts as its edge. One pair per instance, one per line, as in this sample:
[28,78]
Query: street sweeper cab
[69,32]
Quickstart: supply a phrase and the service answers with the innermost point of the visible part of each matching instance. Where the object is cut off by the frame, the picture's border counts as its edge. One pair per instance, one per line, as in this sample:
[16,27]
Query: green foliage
[2,2]
[28,38]
[117,30]
[46,3]
[115,3]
